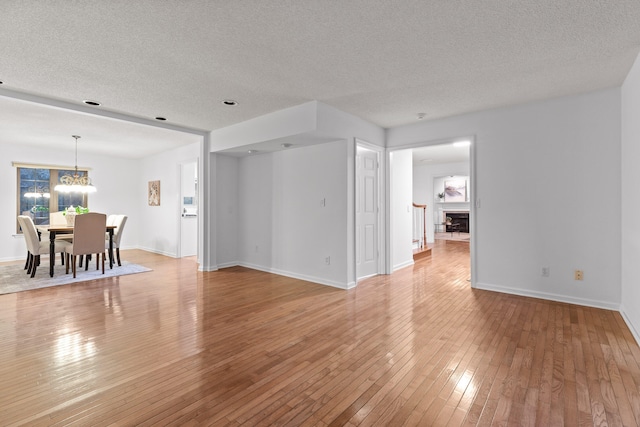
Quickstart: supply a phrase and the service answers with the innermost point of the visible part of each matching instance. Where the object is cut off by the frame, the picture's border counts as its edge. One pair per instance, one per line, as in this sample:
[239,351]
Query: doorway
[442,179]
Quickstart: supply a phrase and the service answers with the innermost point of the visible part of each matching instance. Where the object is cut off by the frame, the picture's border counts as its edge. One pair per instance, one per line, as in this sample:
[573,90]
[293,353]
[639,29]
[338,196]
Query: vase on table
[71,218]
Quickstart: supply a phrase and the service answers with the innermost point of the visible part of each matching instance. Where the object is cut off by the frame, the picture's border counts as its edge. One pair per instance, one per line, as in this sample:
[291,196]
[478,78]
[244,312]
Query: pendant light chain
[76,137]
[75,183]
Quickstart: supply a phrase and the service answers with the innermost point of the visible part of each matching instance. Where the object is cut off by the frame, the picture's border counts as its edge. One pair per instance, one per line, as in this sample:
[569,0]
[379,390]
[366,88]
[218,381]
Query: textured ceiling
[382,60]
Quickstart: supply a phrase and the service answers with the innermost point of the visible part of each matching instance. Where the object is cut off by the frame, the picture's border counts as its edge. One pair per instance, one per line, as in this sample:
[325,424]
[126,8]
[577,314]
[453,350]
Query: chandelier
[36,192]
[75,183]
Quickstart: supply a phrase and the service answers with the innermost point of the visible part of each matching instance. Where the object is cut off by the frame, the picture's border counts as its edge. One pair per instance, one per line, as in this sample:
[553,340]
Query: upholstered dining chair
[35,247]
[119,221]
[58,218]
[88,239]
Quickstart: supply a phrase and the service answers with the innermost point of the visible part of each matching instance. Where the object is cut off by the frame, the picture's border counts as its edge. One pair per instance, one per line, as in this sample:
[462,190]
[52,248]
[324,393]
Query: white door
[366,213]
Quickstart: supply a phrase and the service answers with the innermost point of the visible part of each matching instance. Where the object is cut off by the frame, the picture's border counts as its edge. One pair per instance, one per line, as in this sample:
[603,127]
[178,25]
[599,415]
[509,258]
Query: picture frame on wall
[154,193]
[455,190]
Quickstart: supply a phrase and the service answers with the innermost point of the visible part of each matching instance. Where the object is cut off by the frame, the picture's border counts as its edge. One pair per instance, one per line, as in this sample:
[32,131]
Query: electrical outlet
[327,260]
[578,275]
[545,271]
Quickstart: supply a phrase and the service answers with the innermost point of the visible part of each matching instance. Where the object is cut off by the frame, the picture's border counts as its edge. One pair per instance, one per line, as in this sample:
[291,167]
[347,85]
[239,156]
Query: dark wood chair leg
[26,263]
[118,256]
[66,268]
[30,264]
[74,265]
[62,257]
[36,263]
[103,257]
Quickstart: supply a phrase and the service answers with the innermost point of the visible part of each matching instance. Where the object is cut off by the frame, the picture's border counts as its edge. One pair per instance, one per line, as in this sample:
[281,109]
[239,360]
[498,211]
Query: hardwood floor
[241,347]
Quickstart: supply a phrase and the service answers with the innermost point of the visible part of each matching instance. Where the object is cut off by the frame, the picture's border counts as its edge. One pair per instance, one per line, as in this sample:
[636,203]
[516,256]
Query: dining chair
[119,221]
[58,218]
[21,227]
[88,239]
[35,247]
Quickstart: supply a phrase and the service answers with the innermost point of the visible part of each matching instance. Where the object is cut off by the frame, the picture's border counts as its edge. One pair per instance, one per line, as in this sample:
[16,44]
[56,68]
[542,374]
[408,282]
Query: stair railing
[420,225]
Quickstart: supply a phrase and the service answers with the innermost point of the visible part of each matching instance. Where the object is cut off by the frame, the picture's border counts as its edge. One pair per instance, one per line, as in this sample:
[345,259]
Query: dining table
[54,230]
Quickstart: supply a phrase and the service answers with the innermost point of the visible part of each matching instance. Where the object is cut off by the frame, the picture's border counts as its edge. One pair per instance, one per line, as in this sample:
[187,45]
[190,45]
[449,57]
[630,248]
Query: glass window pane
[35,182]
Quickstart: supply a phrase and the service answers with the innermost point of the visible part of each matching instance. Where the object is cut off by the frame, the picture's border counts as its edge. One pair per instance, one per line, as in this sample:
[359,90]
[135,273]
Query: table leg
[111,248]
[52,251]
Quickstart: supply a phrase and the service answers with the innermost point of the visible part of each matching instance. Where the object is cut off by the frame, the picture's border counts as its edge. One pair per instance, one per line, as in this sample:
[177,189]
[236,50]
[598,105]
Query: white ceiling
[39,125]
[382,60]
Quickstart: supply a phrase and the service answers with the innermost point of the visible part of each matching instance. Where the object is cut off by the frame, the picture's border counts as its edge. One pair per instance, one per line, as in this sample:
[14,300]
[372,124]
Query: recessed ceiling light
[464,143]
[421,116]
[162,119]
[252,151]
[286,145]
[93,103]
[230,102]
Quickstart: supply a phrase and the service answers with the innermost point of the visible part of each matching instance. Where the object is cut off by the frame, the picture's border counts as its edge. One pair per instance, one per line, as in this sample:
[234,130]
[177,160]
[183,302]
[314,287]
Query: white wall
[332,121]
[159,228]
[112,176]
[283,225]
[227,209]
[630,306]
[271,185]
[425,182]
[565,156]
[401,209]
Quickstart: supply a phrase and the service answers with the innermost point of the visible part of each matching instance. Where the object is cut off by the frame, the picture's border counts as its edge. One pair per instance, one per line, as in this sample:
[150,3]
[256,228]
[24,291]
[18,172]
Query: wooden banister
[424,222]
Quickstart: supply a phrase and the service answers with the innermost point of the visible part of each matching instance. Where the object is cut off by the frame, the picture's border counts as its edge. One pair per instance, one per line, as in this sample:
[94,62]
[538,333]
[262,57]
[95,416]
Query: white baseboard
[630,325]
[228,264]
[549,296]
[8,259]
[313,279]
[155,251]
[403,265]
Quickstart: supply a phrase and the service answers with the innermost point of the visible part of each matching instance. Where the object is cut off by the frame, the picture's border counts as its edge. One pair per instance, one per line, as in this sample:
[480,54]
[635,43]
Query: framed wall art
[154,193]
[455,190]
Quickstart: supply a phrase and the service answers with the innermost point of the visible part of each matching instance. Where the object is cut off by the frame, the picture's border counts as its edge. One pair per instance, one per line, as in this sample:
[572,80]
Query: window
[36,195]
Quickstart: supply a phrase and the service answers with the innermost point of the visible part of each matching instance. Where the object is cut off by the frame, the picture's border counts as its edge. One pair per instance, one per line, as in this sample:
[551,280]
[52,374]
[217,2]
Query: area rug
[14,278]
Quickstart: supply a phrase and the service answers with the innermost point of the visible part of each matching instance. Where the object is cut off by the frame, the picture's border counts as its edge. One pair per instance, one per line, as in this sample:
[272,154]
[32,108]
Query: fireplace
[459,221]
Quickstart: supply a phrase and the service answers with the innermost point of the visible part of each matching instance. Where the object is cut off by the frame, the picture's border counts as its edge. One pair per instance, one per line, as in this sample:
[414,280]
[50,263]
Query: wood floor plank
[240,347]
